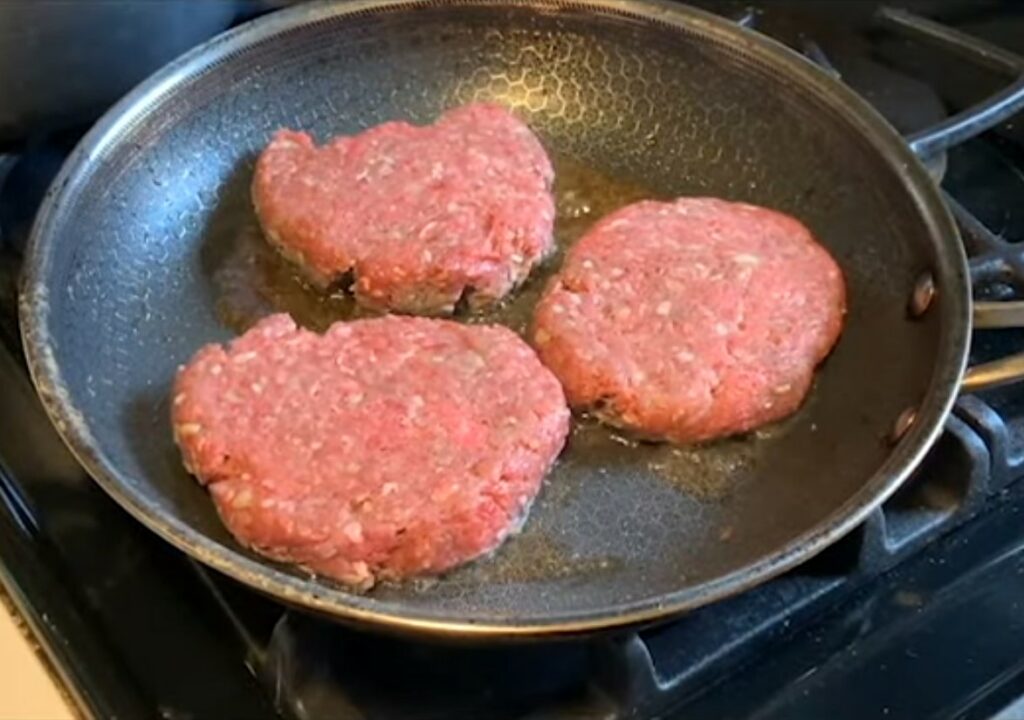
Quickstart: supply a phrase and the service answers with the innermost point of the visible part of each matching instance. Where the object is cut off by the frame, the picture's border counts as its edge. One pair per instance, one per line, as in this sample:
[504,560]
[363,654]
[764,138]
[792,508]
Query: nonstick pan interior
[147,250]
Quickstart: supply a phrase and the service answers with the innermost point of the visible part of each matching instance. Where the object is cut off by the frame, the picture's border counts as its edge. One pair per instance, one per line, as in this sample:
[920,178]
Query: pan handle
[995,315]
[993,374]
[987,315]
[991,315]
[952,131]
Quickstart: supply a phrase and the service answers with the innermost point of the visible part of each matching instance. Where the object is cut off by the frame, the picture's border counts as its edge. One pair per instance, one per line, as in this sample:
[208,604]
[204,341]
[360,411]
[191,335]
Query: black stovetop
[919,613]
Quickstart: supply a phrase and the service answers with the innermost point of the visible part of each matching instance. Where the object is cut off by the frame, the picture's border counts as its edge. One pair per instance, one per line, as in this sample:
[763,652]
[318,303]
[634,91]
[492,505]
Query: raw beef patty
[384,448]
[691,320]
[417,217]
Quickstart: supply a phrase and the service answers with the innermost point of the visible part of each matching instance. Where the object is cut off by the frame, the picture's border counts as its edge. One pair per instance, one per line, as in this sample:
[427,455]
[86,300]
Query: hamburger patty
[691,320]
[385,448]
[417,216]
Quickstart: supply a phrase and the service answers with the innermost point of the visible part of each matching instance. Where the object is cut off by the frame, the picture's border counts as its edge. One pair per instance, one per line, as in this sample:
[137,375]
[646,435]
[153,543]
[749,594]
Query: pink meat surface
[419,216]
[384,448]
[691,320]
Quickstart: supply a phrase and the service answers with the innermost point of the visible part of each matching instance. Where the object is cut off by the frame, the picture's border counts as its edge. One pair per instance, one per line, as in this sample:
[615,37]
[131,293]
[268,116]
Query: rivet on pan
[924,293]
[903,424]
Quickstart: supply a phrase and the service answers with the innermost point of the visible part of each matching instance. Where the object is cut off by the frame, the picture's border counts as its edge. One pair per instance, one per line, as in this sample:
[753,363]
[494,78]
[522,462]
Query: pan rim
[950,363]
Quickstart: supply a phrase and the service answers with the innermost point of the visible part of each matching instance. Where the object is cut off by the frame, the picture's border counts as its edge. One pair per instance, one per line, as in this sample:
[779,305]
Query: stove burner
[974,120]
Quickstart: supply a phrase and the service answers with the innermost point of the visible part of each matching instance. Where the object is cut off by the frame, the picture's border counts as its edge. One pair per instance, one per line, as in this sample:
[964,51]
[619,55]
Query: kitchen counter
[28,690]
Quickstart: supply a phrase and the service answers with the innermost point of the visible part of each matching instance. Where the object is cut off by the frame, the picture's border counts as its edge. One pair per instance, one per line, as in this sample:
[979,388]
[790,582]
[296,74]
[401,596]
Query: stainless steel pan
[136,258]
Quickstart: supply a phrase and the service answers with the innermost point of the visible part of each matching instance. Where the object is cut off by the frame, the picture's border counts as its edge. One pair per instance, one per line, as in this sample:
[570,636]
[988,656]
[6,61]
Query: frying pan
[125,270]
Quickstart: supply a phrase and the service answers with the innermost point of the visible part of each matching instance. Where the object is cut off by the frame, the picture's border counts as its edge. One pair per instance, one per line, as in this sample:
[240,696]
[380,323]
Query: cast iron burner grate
[316,669]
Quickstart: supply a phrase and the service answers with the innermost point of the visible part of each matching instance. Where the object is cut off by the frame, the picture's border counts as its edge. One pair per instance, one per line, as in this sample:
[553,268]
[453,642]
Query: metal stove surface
[917,614]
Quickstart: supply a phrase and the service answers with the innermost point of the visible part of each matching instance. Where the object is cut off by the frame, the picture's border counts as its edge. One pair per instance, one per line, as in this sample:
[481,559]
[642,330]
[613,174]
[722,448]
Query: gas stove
[918,613]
